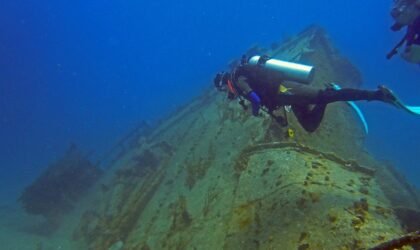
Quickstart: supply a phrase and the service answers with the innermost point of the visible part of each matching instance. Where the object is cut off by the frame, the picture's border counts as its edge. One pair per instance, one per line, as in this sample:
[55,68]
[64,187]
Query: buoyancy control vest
[265,77]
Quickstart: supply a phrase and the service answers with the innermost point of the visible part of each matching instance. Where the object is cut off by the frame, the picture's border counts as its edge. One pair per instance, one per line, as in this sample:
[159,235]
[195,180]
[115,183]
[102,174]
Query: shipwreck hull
[211,176]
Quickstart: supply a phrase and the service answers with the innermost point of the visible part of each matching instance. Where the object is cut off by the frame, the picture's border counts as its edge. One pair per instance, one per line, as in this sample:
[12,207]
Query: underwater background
[89,71]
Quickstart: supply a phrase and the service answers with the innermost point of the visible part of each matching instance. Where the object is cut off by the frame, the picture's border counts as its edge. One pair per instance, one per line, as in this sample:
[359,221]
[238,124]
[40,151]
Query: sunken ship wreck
[210,176]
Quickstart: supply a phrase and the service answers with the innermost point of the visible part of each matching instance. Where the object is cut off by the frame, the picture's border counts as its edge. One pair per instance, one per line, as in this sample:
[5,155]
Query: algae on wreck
[227,180]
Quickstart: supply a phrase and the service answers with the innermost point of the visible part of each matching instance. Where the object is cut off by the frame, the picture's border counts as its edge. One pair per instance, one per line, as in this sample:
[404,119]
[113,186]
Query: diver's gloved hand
[255,101]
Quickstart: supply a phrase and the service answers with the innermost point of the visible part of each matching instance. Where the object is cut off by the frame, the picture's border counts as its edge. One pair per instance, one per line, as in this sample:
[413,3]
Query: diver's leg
[329,95]
[309,119]
[301,94]
[293,93]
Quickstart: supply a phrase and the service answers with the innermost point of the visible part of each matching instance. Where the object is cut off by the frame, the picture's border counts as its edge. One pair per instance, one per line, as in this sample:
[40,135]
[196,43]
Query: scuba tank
[285,70]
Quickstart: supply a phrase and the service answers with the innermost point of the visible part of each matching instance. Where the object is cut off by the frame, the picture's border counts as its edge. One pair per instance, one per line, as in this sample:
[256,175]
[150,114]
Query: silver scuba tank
[286,70]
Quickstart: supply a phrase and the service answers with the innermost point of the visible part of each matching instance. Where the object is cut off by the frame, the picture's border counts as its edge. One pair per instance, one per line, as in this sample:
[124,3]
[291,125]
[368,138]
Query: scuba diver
[270,84]
[404,13]
[407,13]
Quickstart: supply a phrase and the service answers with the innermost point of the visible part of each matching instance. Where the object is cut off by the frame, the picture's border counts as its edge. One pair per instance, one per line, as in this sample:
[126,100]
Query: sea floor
[20,231]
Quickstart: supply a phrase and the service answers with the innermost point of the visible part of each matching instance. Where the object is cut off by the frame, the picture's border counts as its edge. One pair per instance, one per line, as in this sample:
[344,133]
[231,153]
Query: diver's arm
[243,85]
[249,94]
[255,101]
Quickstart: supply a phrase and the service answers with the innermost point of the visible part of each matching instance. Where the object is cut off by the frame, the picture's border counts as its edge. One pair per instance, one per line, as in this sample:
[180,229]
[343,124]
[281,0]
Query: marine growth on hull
[211,176]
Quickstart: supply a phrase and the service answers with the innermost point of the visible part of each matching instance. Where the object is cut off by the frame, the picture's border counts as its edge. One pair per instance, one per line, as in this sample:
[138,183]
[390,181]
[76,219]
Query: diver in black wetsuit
[412,48]
[406,13]
[411,40]
[308,103]
[413,32]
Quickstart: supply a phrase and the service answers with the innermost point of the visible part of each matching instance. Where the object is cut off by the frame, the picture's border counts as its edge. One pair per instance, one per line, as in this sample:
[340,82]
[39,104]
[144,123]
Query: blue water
[88,71]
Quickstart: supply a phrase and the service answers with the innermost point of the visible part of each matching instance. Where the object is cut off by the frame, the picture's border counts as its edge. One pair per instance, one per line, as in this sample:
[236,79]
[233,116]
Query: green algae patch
[306,201]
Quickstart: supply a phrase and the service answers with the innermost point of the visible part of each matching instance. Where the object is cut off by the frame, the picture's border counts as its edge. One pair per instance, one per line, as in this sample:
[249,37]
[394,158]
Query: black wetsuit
[413,32]
[308,102]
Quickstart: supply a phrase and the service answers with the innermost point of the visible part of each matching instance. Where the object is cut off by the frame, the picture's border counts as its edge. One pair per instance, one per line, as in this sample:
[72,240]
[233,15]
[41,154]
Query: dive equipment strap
[231,87]
[285,115]
[263,59]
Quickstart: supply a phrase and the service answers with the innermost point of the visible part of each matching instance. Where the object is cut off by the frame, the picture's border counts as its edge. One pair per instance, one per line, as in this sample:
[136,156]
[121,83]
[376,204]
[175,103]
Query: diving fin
[415,110]
[394,100]
[354,107]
